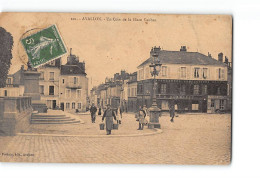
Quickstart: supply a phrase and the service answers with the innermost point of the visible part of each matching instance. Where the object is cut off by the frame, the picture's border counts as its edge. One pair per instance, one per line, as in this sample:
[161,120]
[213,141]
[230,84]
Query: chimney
[183,48]
[155,51]
[209,55]
[220,57]
[226,60]
[70,51]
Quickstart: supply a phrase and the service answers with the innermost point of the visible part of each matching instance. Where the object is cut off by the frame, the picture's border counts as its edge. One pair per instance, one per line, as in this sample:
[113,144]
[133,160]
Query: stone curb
[157,131]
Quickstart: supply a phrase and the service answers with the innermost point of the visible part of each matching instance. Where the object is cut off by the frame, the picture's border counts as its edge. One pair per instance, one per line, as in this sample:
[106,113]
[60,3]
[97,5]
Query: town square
[68,99]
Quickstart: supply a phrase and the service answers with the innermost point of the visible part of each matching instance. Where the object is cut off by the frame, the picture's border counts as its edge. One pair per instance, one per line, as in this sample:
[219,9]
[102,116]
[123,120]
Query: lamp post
[155,68]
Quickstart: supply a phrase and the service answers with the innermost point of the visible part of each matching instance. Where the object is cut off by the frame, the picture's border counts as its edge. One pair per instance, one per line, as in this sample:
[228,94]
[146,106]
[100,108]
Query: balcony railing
[72,85]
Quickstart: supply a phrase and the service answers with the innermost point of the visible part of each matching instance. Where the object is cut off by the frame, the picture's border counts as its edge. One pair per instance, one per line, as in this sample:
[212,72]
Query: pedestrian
[172,113]
[121,110]
[93,110]
[141,118]
[99,111]
[146,110]
[109,114]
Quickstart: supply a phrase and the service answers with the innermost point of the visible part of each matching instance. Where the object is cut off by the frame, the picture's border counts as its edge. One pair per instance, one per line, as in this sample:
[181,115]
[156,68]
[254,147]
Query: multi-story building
[113,91]
[189,80]
[64,86]
[132,92]
[73,85]
[49,83]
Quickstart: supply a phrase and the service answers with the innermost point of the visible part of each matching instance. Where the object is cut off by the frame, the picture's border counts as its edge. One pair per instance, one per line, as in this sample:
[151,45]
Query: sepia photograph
[116,88]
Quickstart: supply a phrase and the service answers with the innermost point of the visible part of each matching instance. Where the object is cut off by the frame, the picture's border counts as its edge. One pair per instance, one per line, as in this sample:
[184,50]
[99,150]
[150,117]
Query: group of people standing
[109,114]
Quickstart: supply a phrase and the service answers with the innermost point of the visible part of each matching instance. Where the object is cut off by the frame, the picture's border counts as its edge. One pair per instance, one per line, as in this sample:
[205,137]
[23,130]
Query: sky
[109,43]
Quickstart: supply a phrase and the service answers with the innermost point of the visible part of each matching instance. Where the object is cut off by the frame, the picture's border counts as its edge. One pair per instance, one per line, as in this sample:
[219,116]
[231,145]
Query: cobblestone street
[191,139]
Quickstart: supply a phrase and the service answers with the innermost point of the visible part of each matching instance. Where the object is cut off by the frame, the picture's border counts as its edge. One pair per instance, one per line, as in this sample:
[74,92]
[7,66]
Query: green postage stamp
[44,46]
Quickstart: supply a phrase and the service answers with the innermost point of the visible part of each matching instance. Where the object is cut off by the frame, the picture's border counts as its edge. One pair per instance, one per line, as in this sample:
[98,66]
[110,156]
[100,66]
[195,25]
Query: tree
[6,45]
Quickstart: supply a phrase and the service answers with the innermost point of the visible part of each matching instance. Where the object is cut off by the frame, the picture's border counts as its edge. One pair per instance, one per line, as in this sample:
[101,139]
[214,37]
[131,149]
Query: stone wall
[15,114]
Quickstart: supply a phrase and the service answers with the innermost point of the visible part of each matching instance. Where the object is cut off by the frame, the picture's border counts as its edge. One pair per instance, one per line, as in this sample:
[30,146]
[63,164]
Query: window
[140,88]
[183,89]
[164,71]
[79,105]
[183,72]
[63,81]
[67,105]
[41,89]
[212,103]
[204,89]
[78,93]
[68,93]
[73,105]
[195,107]
[196,89]
[5,92]
[205,73]
[220,73]
[42,75]
[9,81]
[221,104]
[196,72]
[75,80]
[51,76]
[51,90]
[163,88]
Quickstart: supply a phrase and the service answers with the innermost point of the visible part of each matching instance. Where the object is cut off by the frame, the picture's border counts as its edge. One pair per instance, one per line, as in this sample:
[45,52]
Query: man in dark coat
[121,110]
[172,113]
[93,110]
[109,114]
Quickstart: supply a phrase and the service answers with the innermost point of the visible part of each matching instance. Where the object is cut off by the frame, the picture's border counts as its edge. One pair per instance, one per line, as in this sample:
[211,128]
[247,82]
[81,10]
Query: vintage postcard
[115,88]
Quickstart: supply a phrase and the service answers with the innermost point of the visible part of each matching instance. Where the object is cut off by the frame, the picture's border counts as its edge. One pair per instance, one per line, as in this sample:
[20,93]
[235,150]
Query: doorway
[62,106]
[53,104]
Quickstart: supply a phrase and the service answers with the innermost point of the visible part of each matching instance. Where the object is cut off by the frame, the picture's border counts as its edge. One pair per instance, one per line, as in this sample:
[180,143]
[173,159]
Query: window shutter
[179,72]
[169,73]
[217,75]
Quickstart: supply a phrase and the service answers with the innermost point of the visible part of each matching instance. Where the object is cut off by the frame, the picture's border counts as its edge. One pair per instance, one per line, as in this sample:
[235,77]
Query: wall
[15,115]
[174,72]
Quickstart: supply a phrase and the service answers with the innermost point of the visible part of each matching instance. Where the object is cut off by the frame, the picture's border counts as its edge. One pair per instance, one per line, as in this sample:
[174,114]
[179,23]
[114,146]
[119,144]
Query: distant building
[112,91]
[132,93]
[14,84]
[191,81]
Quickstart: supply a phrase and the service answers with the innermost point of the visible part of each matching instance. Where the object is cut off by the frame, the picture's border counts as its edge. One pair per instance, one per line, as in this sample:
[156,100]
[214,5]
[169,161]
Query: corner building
[191,81]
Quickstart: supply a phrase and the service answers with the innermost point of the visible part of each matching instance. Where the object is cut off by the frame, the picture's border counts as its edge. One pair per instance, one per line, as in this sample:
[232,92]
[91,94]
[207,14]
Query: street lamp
[155,69]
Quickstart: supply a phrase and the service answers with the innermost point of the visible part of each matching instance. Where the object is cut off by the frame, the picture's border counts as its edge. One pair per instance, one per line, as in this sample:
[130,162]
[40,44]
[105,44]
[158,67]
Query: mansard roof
[184,57]
[72,70]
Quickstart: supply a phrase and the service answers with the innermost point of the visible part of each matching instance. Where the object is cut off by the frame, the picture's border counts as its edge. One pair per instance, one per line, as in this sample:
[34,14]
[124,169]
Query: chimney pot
[220,57]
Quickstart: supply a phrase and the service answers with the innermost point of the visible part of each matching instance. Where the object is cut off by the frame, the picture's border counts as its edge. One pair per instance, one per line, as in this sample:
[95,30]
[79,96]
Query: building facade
[14,84]
[64,86]
[132,93]
[191,81]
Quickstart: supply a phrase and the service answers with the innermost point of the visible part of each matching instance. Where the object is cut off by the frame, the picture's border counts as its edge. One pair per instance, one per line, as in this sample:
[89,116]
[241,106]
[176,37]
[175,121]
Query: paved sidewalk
[191,139]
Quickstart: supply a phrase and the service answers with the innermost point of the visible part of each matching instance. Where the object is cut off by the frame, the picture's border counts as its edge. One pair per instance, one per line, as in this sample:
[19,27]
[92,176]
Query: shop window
[196,89]
[221,104]
[163,88]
